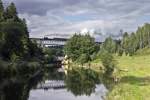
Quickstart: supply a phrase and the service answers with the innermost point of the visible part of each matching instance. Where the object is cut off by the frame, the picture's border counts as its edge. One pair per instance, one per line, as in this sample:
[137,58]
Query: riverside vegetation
[123,64]
[20,58]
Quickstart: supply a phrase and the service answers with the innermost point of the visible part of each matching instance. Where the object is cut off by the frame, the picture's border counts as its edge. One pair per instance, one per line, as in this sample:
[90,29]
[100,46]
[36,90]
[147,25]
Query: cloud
[70,16]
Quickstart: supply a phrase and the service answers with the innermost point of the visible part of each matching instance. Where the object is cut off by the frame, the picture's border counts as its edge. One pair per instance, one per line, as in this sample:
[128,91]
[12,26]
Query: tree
[135,41]
[132,45]
[108,62]
[84,58]
[80,47]
[14,38]
[125,42]
[52,54]
[110,45]
[25,27]
[1,11]
[11,12]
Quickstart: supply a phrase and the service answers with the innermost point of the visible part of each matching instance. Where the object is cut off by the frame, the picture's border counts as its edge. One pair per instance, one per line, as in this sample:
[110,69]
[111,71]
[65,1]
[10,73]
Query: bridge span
[52,40]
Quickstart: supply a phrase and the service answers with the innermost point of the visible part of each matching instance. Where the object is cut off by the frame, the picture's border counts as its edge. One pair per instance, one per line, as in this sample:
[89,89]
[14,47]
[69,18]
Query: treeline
[83,48]
[130,42]
[19,56]
[14,36]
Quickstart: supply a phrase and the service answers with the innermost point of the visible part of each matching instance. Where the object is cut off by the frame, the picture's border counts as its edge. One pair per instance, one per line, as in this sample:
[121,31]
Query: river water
[81,84]
[75,88]
[63,94]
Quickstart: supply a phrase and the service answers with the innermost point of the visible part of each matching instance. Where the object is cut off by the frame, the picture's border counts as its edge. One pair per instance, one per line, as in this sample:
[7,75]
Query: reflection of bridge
[52,84]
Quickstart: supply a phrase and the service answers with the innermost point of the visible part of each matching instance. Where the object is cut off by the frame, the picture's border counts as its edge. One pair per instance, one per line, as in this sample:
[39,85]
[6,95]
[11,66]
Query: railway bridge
[52,40]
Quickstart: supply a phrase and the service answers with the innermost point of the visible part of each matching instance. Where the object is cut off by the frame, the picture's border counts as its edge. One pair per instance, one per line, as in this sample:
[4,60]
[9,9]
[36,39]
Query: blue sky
[70,16]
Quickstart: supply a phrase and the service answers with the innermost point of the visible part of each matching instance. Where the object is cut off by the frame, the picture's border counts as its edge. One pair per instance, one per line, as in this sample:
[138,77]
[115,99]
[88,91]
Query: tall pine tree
[1,11]
[11,12]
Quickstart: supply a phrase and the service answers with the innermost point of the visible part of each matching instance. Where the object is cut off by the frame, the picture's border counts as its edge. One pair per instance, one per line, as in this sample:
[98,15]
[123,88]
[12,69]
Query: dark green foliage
[35,52]
[14,37]
[18,87]
[18,68]
[52,54]
[1,11]
[16,49]
[26,69]
[11,13]
[4,70]
[25,27]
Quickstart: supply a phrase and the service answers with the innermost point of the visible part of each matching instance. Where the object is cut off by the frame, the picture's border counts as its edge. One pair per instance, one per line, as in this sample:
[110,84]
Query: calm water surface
[63,94]
[78,84]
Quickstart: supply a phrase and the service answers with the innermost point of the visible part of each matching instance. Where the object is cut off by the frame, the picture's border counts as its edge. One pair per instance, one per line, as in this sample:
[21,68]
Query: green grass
[134,83]
[144,51]
[134,77]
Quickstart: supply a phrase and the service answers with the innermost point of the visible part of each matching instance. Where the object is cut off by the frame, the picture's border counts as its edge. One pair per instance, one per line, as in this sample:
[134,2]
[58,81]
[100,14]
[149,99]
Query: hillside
[144,51]
[134,83]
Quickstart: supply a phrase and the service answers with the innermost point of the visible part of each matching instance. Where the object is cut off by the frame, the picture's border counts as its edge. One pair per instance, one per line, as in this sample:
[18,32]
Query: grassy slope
[134,83]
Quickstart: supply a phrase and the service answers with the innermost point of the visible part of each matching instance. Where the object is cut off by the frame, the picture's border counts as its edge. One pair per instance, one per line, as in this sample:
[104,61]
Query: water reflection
[18,87]
[82,81]
[79,84]
[12,90]
[53,74]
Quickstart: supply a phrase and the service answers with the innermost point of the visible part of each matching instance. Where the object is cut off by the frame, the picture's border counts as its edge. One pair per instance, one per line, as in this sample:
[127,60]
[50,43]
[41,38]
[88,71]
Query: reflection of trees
[13,89]
[18,88]
[82,81]
[53,74]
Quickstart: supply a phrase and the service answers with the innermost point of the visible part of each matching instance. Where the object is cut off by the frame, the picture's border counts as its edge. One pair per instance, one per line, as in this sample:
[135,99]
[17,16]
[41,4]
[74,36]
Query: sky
[107,17]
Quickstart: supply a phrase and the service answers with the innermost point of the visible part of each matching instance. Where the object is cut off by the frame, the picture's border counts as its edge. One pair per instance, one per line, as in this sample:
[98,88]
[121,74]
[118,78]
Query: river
[63,94]
[80,84]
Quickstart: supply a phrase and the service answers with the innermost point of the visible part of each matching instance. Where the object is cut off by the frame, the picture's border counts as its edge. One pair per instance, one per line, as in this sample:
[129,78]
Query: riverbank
[134,83]
[133,77]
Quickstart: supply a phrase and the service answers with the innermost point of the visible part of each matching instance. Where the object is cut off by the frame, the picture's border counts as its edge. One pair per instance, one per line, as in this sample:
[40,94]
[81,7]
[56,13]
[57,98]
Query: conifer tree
[1,10]
[11,12]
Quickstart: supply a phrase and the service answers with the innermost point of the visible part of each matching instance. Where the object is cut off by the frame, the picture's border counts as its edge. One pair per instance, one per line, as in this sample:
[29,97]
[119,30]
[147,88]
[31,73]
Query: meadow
[134,83]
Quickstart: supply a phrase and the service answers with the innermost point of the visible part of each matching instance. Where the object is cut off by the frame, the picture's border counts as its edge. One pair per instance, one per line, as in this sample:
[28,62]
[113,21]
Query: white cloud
[69,16]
